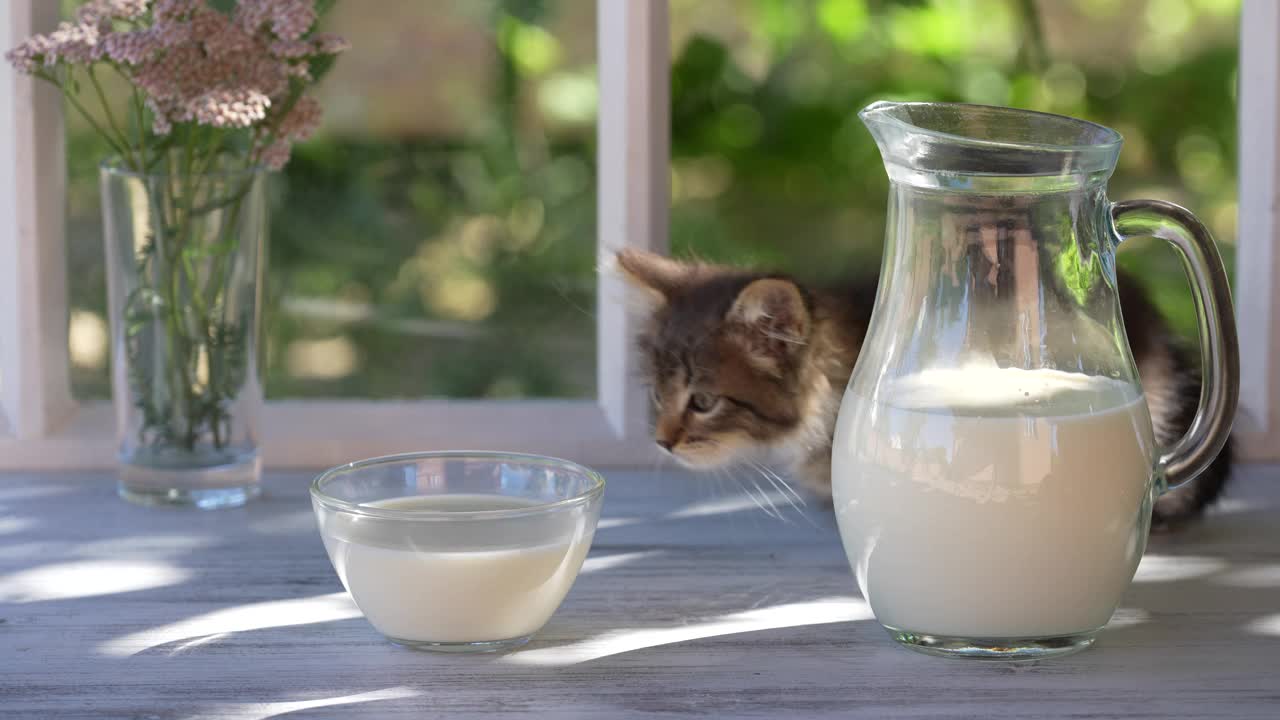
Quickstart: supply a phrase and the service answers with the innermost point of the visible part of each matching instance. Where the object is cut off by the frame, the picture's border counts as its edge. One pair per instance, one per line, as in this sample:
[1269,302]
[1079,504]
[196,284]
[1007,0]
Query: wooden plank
[694,602]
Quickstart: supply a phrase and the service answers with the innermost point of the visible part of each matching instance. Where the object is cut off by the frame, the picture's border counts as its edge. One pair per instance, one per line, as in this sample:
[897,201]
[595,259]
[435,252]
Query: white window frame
[41,427]
[1257,281]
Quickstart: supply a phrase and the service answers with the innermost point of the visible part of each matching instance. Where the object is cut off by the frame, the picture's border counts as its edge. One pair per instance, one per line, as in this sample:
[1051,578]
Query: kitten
[746,364]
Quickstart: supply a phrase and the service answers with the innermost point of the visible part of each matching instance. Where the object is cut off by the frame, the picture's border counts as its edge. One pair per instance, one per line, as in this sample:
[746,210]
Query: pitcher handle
[1219,347]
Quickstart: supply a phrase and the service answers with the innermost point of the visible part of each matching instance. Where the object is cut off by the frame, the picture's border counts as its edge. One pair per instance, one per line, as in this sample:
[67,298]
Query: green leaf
[320,66]
[1078,276]
[844,20]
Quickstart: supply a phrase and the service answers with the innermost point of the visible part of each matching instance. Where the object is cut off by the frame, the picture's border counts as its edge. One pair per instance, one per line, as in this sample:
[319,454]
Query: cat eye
[702,402]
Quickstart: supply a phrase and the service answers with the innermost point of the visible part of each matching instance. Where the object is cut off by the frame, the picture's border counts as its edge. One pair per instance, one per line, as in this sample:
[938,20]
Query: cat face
[726,353]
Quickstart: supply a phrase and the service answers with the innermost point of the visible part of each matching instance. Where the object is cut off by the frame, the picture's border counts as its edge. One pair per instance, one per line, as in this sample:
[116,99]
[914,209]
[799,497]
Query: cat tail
[1177,508]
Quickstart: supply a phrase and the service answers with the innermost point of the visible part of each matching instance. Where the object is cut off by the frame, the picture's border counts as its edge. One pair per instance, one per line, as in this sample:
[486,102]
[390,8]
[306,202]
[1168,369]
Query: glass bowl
[458,551]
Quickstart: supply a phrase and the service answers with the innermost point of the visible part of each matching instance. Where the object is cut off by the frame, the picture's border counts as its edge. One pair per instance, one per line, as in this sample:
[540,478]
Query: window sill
[322,433]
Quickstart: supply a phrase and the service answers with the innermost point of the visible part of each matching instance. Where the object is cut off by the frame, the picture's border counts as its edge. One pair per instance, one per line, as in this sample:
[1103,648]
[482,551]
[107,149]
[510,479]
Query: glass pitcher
[993,468]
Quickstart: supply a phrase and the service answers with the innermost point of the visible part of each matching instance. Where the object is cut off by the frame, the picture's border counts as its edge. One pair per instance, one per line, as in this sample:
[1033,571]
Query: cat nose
[665,444]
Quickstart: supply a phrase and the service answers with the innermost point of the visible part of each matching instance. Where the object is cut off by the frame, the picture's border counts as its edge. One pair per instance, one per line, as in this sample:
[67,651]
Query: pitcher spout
[960,146]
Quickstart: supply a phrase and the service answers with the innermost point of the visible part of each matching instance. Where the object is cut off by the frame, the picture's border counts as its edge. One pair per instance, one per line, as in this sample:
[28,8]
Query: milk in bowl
[459,552]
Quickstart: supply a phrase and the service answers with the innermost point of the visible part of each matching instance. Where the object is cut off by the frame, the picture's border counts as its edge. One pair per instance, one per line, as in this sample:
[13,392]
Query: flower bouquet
[214,95]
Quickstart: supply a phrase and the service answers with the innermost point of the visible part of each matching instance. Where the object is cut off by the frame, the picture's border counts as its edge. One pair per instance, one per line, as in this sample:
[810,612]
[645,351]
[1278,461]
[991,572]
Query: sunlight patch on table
[190,645]
[24,551]
[1228,506]
[140,548]
[616,642]
[605,562]
[1128,617]
[144,546]
[90,578]
[262,711]
[607,523]
[241,618]
[13,525]
[1172,568]
[1269,625]
[302,521]
[34,491]
[732,504]
[1259,576]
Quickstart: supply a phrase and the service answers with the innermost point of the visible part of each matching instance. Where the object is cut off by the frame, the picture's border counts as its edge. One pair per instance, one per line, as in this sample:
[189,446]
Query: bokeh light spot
[569,97]
[740,126]
[844,20]
[87,339]
[322,359]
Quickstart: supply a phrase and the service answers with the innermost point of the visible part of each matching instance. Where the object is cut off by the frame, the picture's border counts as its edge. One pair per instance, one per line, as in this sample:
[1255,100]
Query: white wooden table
[693,602]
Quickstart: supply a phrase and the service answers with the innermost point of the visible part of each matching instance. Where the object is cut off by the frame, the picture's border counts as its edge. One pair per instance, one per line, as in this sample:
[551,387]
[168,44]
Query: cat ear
[772,322]
[658,274]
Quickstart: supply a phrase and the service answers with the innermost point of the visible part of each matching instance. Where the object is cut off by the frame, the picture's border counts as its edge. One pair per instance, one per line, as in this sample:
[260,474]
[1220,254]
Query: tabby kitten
[750,366]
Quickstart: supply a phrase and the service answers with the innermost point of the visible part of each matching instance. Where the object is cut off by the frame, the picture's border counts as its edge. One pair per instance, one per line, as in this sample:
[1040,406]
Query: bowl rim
[332,503]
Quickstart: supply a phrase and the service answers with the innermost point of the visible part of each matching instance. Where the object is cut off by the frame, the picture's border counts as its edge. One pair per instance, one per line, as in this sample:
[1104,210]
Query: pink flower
[160,124]
[195,64]
[330,44]
[291,49]
[229,108]
[275,155]
[321,44]
[71,42]
[175,10]
[171,74]
[132,48]
[292,19]
[77,43]
[97,11]
[24,58]
[221,37]
[288,19]
[302,121]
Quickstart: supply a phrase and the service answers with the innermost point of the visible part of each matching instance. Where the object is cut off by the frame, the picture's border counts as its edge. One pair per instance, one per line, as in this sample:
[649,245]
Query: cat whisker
[773,508]
[724,482]
[793,499]
[790,493]
[790,339]
[772,482]
[562,290]
[786,486]
[777,511]
[716,490]
[747,491]
[759,504]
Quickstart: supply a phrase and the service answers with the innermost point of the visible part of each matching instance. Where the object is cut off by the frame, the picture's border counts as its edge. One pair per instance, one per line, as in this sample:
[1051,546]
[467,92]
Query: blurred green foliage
[463,264]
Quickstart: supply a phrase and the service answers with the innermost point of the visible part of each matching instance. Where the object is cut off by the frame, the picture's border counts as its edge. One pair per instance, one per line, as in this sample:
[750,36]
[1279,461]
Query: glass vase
[185,253]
